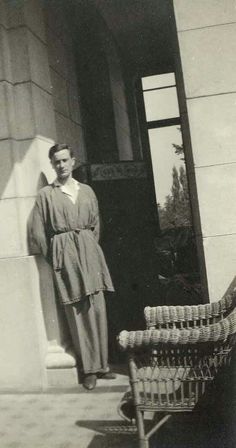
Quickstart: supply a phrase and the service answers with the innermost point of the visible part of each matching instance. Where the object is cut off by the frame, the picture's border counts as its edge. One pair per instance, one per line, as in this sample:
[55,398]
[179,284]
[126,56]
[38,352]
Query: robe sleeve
[37,233]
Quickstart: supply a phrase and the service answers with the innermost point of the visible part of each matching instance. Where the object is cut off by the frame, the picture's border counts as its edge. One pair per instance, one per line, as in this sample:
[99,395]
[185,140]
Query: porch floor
[75,418]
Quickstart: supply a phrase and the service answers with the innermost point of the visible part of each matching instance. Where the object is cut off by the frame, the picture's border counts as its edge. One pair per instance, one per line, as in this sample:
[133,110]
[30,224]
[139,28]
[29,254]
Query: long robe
[67,234]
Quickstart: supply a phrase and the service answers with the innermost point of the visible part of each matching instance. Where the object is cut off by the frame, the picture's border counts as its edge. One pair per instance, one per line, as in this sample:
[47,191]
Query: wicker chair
[177,357]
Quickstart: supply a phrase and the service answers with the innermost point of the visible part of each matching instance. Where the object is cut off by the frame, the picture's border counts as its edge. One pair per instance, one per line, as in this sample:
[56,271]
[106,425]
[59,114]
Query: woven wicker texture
[172,362]
[164,315]
[219,331]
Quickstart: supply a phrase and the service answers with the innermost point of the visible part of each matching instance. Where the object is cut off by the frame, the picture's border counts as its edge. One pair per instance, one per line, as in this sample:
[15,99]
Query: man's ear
[73,161]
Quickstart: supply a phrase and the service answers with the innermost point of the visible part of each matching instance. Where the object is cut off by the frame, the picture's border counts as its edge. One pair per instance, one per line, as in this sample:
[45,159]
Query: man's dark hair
[58,147]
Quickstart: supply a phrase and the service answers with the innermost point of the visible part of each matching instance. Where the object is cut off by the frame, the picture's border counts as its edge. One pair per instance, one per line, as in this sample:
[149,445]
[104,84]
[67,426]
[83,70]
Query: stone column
[27,129]
[207,40]
[119,102]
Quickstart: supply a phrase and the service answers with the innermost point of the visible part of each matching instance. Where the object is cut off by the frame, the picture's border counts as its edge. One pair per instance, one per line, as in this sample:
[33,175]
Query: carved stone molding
[118,171]
[57,357]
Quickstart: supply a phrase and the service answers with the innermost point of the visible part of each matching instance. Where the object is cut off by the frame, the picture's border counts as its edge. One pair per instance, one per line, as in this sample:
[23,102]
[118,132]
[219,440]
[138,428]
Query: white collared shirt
[71,189]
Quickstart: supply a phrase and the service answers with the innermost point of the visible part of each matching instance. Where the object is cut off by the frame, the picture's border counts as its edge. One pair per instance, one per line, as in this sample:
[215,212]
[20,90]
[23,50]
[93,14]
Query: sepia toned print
[117,251]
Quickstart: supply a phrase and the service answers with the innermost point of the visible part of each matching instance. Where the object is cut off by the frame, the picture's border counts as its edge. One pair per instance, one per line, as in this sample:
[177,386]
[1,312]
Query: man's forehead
[62,154]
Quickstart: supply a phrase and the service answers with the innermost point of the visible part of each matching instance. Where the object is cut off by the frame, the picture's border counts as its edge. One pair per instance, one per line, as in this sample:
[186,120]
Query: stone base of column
[61,367]
[62,378]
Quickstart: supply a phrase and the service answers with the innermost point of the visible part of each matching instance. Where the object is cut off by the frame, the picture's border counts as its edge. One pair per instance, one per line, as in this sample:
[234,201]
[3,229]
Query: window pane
[156,81]
[161,104]
[164,158]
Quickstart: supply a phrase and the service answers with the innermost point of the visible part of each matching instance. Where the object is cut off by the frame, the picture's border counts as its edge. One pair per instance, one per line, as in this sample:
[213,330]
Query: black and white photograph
[118,223]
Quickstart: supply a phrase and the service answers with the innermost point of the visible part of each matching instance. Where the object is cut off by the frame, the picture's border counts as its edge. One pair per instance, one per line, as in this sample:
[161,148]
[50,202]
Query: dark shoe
[106,375]
[90,381]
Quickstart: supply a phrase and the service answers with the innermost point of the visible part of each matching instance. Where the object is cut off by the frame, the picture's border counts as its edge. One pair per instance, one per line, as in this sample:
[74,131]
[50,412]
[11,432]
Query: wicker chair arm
[163,315]
[220,331]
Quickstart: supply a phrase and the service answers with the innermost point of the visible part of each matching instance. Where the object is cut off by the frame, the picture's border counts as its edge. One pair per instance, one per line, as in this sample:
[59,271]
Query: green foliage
[176,210]
[179,150]
[175,247]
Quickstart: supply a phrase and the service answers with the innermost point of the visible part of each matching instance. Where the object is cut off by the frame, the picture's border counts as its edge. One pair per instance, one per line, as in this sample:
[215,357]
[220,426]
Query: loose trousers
[87,322]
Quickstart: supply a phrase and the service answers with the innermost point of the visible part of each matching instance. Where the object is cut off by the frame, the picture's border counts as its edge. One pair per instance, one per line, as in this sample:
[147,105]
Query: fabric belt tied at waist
[58,252]
[77,230]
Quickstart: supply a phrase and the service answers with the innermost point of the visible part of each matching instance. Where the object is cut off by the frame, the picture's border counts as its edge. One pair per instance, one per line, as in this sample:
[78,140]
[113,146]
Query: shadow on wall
[42,181]
[21,164]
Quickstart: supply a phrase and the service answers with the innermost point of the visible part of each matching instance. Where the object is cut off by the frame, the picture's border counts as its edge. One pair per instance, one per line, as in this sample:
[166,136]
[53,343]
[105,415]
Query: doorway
[175,245]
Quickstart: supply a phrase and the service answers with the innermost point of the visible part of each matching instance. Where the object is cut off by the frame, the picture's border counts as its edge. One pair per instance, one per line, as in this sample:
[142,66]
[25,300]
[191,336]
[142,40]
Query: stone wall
[103,89]
[39,105]
[27,129]
[118,92]
[207,41]
[64,79]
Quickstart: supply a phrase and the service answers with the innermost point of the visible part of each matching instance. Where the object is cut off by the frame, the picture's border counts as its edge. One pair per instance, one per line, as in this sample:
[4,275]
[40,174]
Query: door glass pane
[157,81]
[161,104]
[170,176]
[175,245]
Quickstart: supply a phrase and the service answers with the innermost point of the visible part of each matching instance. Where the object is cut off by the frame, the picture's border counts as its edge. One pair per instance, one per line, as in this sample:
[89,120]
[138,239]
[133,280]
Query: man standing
[65,228]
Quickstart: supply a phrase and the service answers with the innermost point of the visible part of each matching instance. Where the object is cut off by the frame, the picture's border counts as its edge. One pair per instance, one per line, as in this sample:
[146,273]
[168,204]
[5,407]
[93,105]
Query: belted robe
[67,234]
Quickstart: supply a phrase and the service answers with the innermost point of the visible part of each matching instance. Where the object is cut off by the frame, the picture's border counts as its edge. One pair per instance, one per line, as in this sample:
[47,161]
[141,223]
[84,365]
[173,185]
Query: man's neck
[65,181]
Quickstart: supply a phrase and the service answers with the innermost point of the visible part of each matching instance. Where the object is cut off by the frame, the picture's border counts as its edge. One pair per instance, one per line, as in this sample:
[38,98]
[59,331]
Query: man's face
[63,164]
